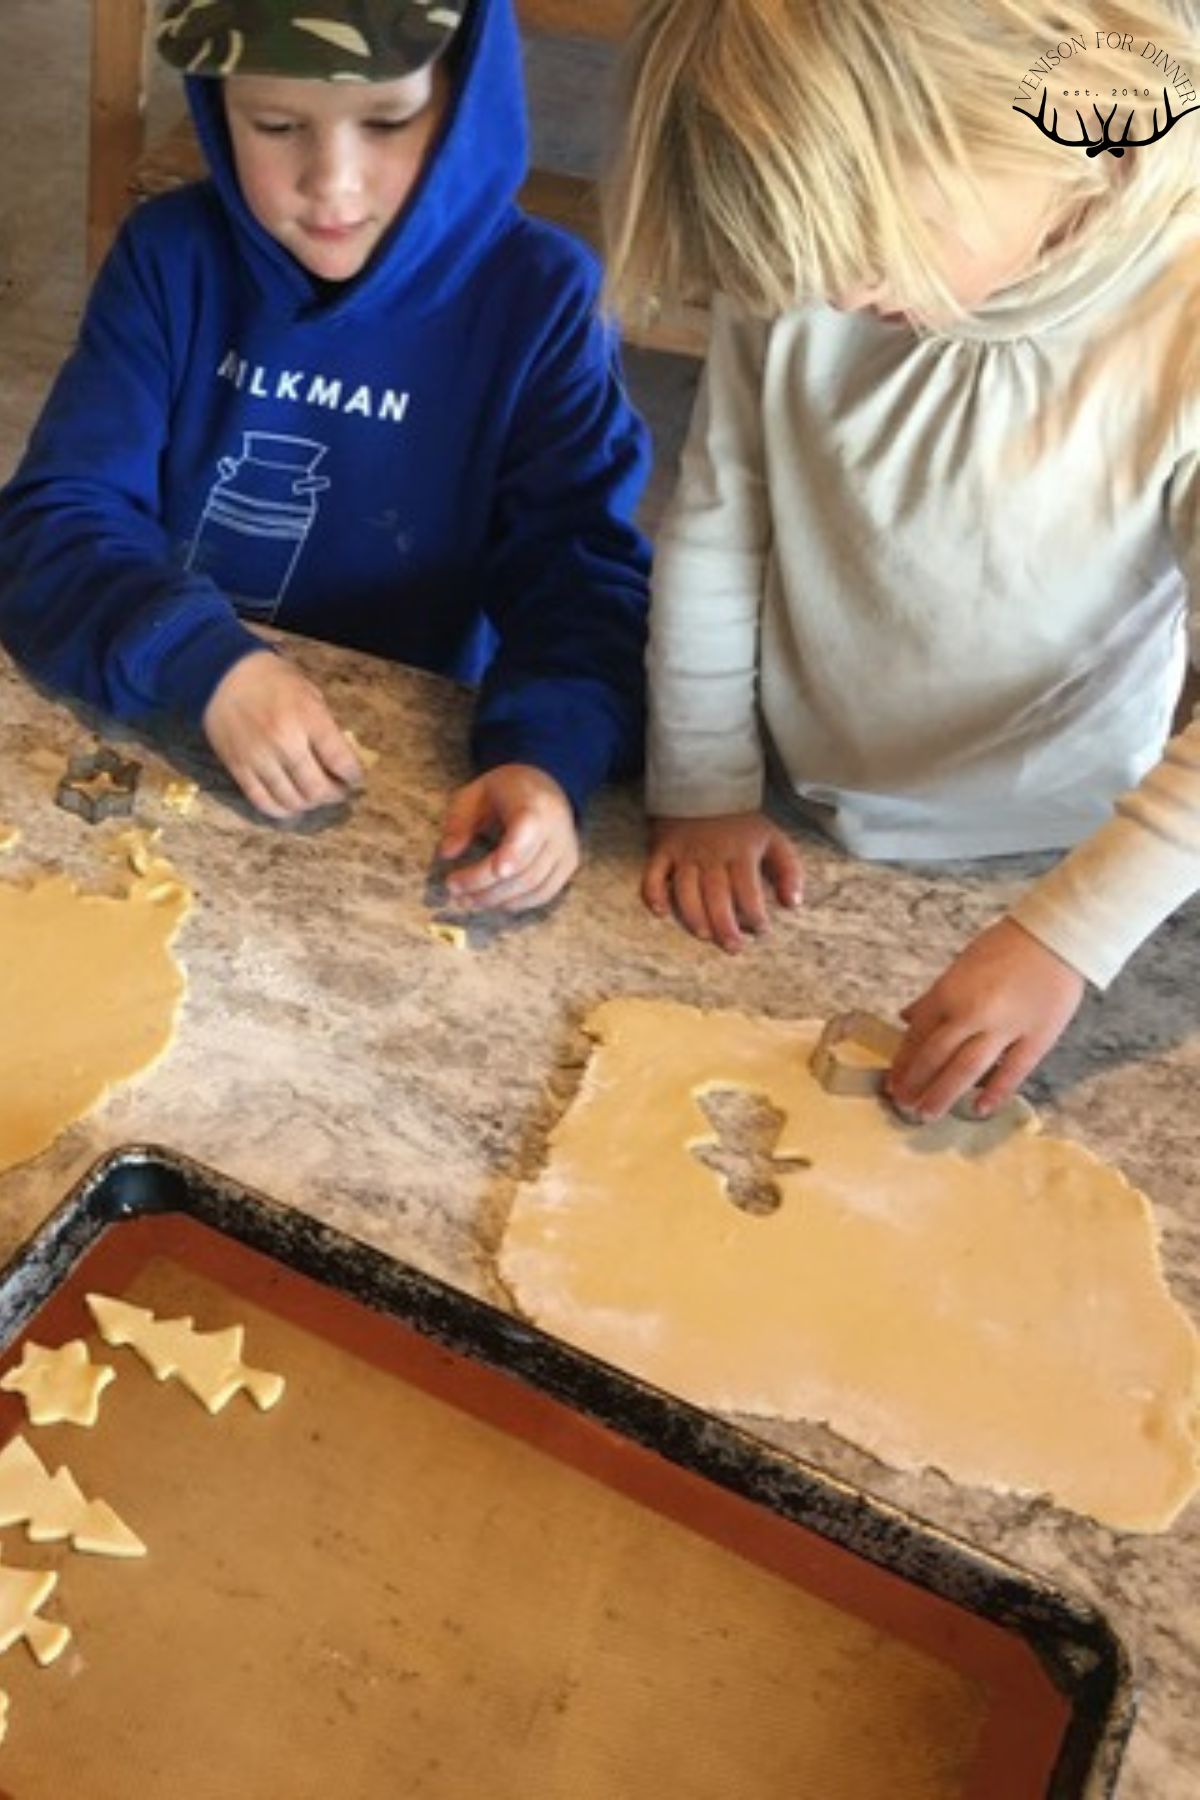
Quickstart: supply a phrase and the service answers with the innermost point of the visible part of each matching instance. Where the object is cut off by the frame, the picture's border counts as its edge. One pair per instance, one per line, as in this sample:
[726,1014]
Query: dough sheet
[89,996]
[1003,1318]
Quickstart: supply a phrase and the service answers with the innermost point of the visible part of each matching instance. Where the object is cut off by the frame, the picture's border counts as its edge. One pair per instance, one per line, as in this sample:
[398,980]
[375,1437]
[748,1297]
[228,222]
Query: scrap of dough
[1004,1319]
[89,996]
[61,1387]
[135,846]
[366,756]
[52,1507]
[444,933]
[10,837]
[180,796]
[208,1363]
[23,1593]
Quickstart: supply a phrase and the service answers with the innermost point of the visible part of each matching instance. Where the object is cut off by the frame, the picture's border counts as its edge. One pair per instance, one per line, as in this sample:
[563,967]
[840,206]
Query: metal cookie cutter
[98,784]
[855,1052]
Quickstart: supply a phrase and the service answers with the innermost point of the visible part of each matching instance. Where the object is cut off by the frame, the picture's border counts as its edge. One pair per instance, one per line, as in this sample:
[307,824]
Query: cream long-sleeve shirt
[944,580]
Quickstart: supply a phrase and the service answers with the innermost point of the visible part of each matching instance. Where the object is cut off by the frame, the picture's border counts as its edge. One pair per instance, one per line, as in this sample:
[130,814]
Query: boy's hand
[538,851]
[713,871]
[274,733]
[999,1007]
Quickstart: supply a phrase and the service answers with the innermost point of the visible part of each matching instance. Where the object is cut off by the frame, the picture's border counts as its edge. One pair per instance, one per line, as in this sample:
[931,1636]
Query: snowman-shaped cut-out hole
[743,1156]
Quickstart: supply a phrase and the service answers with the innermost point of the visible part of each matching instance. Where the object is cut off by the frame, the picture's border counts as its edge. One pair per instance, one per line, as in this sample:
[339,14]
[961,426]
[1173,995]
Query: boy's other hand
[274,733]
[713,869]
[538,848]
[990,1019]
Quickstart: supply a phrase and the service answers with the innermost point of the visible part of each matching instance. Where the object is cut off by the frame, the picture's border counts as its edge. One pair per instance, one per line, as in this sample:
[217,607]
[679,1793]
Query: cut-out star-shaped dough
[52,1507]
[61,1387]
[208,1363]
[23,1593]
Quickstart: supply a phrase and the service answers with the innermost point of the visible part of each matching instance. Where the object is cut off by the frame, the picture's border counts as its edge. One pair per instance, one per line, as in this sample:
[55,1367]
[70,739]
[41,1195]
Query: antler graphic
[1106,142]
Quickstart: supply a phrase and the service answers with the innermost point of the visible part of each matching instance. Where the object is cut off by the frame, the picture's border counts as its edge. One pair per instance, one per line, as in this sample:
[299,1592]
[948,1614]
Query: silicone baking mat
[458,1560]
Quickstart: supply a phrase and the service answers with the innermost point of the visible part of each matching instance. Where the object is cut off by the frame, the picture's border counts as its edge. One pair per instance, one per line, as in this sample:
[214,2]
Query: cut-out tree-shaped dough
[52,1507]
[23,1593]
[1003,1318]
[61,1387]
[208,1363]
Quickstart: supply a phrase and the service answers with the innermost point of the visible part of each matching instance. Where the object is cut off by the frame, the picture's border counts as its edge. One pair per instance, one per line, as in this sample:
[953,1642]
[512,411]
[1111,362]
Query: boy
[346,387]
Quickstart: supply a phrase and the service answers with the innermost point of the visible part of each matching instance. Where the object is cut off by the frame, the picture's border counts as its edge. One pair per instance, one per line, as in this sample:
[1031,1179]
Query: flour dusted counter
[333,1054]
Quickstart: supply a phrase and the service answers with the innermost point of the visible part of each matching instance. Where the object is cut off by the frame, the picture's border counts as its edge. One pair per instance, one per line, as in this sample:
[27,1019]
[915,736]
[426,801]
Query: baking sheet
[420,1574]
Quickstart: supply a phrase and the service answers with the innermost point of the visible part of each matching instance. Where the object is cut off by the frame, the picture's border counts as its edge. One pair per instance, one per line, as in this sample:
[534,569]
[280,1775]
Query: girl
[929,550]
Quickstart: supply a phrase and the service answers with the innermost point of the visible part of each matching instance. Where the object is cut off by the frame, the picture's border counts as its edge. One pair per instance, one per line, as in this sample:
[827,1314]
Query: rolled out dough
[89,996]
[1002,1318]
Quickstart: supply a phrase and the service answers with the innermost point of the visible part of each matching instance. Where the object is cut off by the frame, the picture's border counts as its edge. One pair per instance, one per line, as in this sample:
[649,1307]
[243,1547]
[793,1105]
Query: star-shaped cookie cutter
[99,784]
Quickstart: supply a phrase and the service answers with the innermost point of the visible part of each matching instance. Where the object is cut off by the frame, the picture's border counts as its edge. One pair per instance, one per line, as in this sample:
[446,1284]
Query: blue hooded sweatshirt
[435,461]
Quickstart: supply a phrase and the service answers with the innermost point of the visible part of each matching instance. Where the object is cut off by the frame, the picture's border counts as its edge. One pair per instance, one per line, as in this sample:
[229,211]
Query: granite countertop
[334,1056]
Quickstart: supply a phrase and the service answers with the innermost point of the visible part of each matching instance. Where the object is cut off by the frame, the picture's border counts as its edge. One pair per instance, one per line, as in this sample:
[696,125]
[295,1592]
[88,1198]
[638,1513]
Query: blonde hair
[772,148]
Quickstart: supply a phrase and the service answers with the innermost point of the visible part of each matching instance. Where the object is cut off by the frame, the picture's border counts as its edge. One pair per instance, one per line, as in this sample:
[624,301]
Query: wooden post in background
[120,37]
[577,18]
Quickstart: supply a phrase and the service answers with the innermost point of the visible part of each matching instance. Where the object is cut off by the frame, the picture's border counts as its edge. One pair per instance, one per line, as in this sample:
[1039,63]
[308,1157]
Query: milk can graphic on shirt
[256,519]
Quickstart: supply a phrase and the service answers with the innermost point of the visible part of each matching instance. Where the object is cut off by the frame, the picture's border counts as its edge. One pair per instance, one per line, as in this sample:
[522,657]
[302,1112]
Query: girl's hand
[712,869]
[274,733]
[538,851]
[995,1013]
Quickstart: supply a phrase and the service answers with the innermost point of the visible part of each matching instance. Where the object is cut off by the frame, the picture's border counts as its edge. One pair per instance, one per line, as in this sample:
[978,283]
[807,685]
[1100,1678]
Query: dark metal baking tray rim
[1078,1649]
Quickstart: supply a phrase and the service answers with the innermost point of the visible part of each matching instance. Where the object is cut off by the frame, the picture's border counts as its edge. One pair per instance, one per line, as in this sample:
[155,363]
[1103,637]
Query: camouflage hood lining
[317,40]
